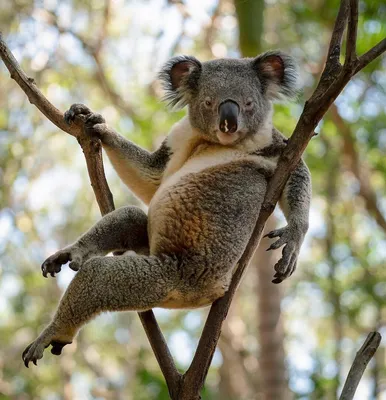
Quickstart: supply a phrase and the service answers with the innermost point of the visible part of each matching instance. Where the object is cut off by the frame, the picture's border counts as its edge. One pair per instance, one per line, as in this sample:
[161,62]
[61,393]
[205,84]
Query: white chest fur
[191,154]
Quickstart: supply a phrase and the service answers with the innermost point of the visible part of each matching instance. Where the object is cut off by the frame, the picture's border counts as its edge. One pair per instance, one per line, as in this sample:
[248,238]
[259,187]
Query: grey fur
[239,80]
[204,189]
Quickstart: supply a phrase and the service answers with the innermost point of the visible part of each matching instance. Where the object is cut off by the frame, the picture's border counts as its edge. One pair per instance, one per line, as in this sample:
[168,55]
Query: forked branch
[333,79]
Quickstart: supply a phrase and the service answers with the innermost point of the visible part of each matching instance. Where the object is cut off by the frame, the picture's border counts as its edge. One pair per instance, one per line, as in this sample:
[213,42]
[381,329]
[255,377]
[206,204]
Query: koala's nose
[228,111]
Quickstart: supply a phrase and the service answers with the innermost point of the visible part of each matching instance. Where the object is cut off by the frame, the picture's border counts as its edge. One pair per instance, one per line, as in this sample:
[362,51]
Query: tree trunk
[271,357]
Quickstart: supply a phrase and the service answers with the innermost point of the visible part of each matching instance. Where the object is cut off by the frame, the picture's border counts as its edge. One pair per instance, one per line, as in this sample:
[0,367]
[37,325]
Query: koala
[204,188]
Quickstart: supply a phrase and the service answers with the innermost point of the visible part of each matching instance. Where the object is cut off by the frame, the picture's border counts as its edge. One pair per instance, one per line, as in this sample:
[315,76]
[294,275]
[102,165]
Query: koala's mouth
[226,138]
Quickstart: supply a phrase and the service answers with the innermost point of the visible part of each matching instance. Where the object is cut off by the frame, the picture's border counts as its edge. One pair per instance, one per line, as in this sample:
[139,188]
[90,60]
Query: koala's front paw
[80,110]
[53,264]
[292,239]
[76,110]
[35,350]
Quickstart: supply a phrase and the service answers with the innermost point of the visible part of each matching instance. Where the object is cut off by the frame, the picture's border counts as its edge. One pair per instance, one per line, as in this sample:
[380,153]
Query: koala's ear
[278,74]
[179,77]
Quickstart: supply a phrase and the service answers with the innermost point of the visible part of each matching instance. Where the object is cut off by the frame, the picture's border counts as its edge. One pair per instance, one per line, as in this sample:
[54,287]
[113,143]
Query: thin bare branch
[95,52]
[371,55]
[92,150]
[359,169]
[333,54]
[104,28]
[35,96]
[352,30]
[364,355]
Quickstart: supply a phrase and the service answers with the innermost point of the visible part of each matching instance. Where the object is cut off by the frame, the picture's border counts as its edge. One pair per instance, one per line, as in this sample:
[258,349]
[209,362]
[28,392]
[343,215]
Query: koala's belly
[208,214]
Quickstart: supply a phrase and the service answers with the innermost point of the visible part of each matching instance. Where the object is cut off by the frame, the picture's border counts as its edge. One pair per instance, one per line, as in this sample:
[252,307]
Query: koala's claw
[53,264]
[35,350]
[94,119]
[76,110]
[286,266]
[30,355]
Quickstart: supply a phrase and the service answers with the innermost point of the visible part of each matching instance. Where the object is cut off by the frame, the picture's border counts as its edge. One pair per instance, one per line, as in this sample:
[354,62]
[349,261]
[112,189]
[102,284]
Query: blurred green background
[295,340]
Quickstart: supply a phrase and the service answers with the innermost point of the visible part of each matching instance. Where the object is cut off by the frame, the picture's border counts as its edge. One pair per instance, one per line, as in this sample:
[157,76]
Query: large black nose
[228,111]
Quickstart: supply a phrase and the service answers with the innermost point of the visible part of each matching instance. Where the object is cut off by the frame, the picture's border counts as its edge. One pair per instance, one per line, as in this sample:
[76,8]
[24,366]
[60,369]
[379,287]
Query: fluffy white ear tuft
[179,77]
[278,74]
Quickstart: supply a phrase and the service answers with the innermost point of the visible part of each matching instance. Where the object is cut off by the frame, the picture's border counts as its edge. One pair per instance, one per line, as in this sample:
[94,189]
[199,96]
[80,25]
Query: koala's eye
[249,104]
[208,103]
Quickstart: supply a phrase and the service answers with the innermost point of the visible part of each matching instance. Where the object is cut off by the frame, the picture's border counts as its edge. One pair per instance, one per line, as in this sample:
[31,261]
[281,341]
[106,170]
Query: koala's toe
[275,233]
[68,117]
[75,110]
[75,264]
[277,244]
[94,119]
[54,263]
[57,347]
[285,266]
[33,353]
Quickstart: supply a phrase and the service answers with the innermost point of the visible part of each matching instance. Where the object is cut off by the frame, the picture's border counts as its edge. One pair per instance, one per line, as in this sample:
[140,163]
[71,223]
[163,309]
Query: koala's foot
[74,254]
[292,239]
[76,110]
[80,110]
[35,350]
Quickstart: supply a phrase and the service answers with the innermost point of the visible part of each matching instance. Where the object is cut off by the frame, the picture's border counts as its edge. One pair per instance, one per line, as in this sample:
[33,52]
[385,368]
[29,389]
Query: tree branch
[94,50]
[333,54]
[352,30]
[360,170]
[359,365]
[35,96]
[371,55]
[92,150]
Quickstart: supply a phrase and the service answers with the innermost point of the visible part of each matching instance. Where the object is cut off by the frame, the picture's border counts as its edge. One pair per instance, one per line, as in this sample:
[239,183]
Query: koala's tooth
[226,126]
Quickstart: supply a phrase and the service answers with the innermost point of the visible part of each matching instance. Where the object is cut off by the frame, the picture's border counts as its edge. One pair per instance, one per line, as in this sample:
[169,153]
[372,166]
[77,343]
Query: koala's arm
[296,197]
[295,203]
[139,169]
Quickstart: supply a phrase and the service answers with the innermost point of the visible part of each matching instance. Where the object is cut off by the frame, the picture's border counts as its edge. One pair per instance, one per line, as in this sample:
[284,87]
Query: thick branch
[352,32]
[359,365]
[92,150]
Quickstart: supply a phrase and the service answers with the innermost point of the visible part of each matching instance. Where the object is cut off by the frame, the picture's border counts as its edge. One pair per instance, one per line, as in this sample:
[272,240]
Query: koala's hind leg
[121,230]
[107,284]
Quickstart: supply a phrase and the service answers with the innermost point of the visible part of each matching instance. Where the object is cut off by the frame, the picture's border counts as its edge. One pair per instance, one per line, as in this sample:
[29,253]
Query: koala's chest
[192,196]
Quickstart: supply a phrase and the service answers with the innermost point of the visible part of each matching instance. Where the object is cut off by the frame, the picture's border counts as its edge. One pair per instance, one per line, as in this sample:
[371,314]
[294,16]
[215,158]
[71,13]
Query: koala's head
[229,99]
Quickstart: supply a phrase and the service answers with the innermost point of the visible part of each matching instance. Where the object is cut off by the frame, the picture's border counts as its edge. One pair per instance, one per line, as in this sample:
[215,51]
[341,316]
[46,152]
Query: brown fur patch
[177,300]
